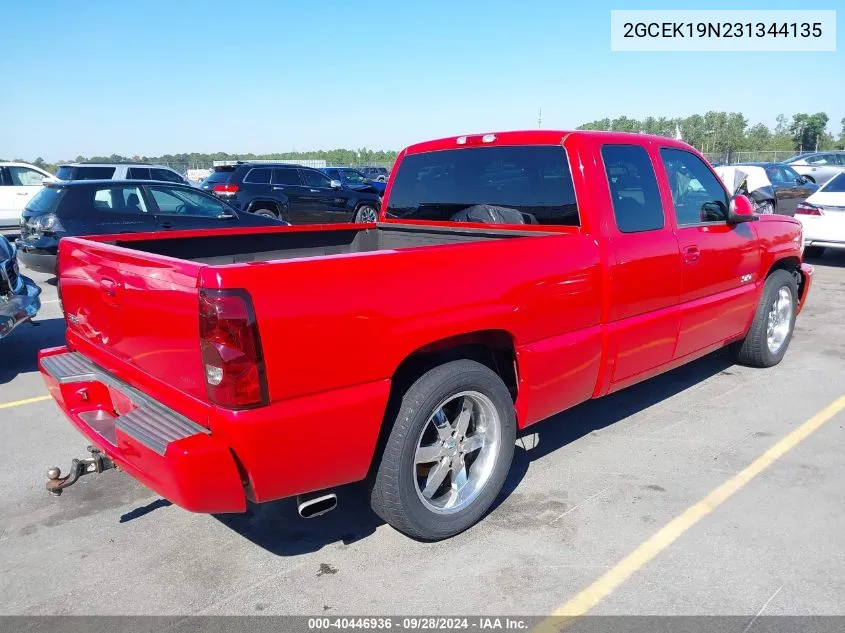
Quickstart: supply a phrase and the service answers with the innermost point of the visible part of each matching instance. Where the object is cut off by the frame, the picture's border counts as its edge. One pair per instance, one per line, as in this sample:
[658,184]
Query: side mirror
[740,210]
[335,184]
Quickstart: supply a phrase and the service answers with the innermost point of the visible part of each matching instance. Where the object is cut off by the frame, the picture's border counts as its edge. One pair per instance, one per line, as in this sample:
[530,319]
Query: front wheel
[448,453]
[773,324]
[366,213]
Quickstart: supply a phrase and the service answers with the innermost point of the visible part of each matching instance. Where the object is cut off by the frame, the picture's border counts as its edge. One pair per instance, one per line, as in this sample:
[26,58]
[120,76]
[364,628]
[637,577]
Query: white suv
[19,182]
[119,171]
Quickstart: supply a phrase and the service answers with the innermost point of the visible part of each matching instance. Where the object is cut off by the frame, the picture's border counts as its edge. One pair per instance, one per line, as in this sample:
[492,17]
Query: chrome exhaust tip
[315,504]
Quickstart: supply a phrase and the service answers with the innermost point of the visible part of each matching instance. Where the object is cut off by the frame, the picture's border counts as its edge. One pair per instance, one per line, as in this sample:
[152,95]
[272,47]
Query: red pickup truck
[511,276]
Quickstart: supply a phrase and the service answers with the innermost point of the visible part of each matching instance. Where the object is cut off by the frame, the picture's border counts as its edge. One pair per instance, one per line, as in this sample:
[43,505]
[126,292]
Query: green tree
[807,130]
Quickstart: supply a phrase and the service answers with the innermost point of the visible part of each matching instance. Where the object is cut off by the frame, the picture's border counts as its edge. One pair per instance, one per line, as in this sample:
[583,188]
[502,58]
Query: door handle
[21,193]
[315,191]
[166,225]
[278,188]
[691,254]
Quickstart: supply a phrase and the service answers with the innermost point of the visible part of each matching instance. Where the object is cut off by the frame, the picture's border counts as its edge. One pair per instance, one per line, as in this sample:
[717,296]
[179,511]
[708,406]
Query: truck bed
[238,248]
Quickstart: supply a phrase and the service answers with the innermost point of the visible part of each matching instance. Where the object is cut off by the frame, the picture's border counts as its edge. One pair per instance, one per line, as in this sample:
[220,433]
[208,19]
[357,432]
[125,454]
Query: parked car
[19,295]
[19,182]
[819,167]
[823,217]
[501,287]
[299,195]
[119,171]
[354,179]
[790,187]
[96,207]
[378,174]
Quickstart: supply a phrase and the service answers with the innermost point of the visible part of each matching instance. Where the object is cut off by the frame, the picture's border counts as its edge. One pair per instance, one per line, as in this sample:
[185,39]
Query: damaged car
[19,295]
[751,182]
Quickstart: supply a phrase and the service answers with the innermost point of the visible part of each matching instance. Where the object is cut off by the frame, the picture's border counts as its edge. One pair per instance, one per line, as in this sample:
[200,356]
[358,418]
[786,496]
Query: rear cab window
[519,184]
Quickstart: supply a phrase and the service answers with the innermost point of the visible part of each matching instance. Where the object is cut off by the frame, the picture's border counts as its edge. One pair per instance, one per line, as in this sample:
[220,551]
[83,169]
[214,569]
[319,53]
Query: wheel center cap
[450,445]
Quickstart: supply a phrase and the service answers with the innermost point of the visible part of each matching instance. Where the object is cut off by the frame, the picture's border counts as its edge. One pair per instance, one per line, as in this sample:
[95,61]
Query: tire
[366,213]
[756,350]
[765,208]
[398,495]
[813,252]
[265,213]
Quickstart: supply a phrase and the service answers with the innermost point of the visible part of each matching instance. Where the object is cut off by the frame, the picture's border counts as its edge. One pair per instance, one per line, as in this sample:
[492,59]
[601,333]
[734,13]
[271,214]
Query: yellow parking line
[624,569]
[17,403]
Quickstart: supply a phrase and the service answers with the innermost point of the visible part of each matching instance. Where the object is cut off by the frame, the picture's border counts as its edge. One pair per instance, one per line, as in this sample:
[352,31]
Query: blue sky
[157,77]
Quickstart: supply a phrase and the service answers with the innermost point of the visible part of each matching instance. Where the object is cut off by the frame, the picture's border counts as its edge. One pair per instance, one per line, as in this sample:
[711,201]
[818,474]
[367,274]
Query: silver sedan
[819,166]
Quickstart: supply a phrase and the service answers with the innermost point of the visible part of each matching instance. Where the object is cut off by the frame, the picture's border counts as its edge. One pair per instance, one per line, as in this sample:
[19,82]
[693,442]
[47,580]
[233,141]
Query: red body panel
[589,310]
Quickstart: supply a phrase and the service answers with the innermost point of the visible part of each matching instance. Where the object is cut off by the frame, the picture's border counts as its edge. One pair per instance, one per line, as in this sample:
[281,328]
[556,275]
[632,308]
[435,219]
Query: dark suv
[299,195]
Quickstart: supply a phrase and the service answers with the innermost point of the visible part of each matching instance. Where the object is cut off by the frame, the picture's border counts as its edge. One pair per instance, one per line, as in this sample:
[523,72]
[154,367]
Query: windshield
[528,181]
[354,177]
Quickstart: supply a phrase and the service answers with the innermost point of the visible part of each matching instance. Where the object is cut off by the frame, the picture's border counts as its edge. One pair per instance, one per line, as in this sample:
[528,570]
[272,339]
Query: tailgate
[136,315]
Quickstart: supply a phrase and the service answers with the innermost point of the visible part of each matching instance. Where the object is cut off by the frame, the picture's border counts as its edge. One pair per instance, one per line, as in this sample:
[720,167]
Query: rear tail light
[225,189]
[805,208]
[232,358]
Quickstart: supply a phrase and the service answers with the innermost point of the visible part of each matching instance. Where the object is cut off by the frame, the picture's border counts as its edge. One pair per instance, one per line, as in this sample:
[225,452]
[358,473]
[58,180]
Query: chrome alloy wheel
[779,320]
[456,452]
[367,214]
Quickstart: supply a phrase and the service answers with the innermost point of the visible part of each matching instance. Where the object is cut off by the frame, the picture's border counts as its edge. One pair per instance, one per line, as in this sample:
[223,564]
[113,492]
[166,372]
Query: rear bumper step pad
[150,423]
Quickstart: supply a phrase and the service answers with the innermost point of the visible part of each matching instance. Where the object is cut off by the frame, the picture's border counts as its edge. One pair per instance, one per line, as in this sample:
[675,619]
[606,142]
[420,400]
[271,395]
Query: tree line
[725,132]
[710,133]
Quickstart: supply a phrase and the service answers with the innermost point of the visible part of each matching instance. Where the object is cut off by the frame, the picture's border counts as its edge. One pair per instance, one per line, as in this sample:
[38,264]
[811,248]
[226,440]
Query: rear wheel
[265,213]
[448,452]
[366,213]
[814,252]
[771,330]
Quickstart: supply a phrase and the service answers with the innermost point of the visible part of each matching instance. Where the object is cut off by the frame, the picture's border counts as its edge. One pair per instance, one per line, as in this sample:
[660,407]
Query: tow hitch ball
[97,463]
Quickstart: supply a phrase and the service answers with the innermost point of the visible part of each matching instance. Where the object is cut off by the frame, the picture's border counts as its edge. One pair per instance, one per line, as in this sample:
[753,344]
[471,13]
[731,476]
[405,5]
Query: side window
[697,194]
[166,175]
[258,176]
[334,174]
[633,188]
[286,176]
[314,178]
[119,200]
[187,203]
[24,177]
[3,178]
[138,173]
[94,173]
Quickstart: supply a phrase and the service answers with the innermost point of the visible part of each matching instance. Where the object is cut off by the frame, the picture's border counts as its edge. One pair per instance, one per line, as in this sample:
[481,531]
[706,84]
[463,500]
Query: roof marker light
[461,140]
[488,138]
